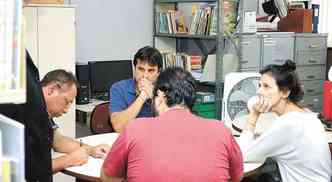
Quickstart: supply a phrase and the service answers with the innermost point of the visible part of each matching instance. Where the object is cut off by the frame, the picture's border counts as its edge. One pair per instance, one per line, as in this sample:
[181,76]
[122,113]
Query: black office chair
[100,121]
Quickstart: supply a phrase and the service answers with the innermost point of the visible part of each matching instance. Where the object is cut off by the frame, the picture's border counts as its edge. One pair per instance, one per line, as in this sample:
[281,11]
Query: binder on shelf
[209,70]
[315,18]
[13,154]
[5,170]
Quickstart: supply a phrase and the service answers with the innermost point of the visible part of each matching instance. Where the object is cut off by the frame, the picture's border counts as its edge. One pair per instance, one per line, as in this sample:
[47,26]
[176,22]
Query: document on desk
[91,168]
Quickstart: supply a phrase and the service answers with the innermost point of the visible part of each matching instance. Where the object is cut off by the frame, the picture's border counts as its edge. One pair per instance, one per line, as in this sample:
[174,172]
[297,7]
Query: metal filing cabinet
[261,49]
[276,47]
[310,57]
[250,53]
[307,50]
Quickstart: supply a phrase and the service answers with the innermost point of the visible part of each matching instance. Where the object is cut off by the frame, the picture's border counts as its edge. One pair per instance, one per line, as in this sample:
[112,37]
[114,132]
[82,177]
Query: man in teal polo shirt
[131,98]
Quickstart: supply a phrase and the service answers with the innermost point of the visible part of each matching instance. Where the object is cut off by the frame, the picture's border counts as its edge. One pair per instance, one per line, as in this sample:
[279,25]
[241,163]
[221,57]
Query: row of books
[171,22]
[203,22]
[188,62]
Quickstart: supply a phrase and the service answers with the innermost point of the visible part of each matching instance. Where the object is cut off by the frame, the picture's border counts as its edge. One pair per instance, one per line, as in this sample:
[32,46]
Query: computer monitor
[12,144]
[104,73]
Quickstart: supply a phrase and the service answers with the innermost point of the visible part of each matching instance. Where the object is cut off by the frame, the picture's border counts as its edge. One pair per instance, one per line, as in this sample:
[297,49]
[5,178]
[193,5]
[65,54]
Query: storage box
[46,1]
[297,20]
[205,97]
[205,110]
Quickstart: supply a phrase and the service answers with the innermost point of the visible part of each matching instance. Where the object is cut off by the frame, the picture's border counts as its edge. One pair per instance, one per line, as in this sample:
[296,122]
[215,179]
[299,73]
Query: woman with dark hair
[297,140]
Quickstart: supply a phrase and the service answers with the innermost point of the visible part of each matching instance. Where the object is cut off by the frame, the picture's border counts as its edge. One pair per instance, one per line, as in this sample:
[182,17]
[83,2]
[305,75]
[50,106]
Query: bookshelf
[210,37]
[204,34]
[254,49]
[12,89]
[12,59]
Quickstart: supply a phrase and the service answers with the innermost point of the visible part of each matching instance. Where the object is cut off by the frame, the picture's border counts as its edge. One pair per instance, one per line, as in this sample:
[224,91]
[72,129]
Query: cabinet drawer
[311,72]
[250,52]
[312,87]
[313,102]
[306,57]
[277,49]
[252,70]
[310,43]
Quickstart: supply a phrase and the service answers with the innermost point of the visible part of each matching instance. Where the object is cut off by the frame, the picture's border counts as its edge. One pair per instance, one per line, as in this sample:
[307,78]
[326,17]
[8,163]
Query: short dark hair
[59,76]
[178,86]
[286,79]
[150,55]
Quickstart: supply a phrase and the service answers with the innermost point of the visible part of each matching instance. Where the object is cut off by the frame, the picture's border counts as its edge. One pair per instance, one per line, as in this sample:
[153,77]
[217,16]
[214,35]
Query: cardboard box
[297,20]
[46,2]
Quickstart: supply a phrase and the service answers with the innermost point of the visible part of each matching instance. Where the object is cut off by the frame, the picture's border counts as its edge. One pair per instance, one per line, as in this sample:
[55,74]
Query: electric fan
[239,87]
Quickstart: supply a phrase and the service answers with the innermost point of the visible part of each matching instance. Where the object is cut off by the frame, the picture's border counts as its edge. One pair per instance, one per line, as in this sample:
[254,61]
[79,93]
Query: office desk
[87,109]
[91,170]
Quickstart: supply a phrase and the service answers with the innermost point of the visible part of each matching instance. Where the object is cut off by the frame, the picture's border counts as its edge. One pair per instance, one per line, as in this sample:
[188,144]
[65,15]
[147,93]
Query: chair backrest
[100,121]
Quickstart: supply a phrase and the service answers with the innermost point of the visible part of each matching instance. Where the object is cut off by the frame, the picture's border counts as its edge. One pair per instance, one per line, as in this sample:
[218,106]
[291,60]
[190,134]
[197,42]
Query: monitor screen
[104,73]
[12,144]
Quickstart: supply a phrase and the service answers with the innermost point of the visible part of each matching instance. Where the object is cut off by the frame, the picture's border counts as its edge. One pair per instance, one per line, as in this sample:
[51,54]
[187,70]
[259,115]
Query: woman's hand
[263,105]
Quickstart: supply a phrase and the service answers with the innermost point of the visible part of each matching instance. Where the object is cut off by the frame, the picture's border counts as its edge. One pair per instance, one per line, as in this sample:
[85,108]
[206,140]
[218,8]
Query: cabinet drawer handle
[310,90]
[313,45]
[279,60]
[245,43]
[311,76]
[244,62]
[312,61]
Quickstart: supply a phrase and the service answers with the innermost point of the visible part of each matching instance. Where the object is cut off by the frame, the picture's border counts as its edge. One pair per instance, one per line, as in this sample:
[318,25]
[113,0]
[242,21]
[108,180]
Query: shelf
[13,96]
[207,37]
[183,1]
[172,16]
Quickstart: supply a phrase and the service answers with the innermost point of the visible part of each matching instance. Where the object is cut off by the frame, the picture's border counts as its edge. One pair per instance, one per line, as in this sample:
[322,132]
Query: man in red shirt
[176,145]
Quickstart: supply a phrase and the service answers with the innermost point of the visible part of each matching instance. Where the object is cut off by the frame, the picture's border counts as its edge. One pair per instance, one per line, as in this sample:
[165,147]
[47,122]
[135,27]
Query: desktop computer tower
[83,92]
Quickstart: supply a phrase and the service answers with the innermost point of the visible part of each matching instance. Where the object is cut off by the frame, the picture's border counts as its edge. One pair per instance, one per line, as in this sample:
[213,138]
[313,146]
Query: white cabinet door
[51,43]
[30,14]
[56,29]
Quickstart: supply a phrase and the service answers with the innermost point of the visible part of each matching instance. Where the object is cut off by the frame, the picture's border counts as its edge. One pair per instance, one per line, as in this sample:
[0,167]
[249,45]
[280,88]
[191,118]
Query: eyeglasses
[66,100]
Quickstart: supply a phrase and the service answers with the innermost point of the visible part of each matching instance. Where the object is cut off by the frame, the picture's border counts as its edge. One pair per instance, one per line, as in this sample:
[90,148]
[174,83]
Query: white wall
[324,22]
[112,29]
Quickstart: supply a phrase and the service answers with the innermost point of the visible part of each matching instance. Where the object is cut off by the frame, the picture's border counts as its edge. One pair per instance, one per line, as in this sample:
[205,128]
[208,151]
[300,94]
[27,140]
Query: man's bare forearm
[64,144]
[121,119]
